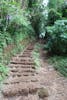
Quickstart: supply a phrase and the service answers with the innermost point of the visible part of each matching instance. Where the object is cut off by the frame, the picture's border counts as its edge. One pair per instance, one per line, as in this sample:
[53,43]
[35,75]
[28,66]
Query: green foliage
[13,19]
[64,9]
[5,39]
[37,17]
[36,55]
[13,22]
[55,4]
[15,26]
[52,4]
[41,26]
[59,63]
[31,3]
[53,15]
[57,38]
[3,72]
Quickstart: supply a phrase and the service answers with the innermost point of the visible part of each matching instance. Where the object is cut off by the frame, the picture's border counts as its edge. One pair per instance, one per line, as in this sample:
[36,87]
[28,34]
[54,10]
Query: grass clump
[36,55]
[59,63]
[3,72]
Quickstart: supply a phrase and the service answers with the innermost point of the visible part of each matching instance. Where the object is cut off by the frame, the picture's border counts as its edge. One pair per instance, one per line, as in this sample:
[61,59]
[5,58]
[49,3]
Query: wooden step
[21,66]
[20,89]
[22,63]
[14,80]
[21,74]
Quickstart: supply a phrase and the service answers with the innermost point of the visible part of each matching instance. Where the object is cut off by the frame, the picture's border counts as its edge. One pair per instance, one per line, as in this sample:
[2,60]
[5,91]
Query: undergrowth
[59,63]
[3,72]
[15,26]
[36,55]
[5,58]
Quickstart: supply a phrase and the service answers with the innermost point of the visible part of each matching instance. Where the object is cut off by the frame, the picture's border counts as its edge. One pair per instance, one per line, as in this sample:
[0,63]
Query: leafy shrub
[53,15]
[42,25]
[57,37]
[3,72]
[64,9]
[13,21]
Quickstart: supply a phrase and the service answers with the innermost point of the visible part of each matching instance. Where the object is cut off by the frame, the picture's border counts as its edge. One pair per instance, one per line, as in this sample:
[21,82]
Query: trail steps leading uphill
[22,82]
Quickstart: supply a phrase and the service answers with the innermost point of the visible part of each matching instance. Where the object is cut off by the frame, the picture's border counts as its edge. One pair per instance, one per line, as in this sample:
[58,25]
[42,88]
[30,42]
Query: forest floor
[52,80]
[25,82]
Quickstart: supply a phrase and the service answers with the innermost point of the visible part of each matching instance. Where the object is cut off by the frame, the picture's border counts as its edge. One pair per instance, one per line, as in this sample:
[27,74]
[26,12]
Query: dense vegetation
[56,34]
[14,27]
[29,19]
[50,23]
[57,37]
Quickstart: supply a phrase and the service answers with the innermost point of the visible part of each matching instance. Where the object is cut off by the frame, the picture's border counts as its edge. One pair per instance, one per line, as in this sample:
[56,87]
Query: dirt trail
[52,80]
[24,81]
